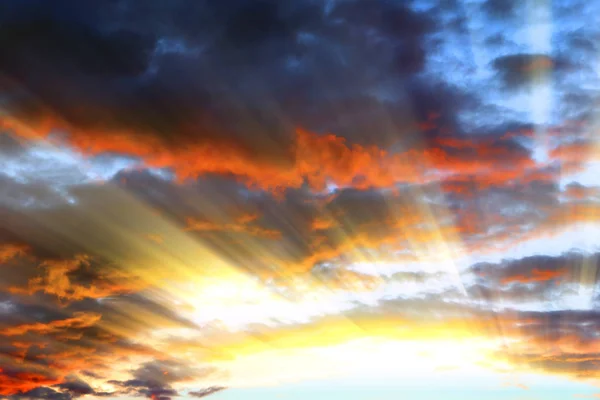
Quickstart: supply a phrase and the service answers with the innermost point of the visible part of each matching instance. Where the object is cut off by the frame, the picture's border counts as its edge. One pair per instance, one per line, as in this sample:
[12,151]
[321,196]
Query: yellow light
[366,358]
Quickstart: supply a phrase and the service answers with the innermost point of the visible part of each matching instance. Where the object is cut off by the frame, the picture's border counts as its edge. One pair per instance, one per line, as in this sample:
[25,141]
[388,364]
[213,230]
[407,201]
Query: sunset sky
[308,199]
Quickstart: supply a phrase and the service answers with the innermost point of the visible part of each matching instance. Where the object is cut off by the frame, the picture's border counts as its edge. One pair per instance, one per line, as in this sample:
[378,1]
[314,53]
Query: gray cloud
[154,379]
[520,70]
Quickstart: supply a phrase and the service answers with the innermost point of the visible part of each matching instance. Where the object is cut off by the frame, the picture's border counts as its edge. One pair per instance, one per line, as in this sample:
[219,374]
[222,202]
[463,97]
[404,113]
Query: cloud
[136,82]
[67,390]
[399,23]
[35,44]
[320,160]
[556,342]
[62,276]
[536,276]
[78,320]
[499,8]
[206,392]
[244,224]
[575,153]
[323,223]
[154,379]
[577,191]
[54,353]
[44,393]
[191,183]
[519,70]
[76,387]
[9,251]
[534,269]
[23,382]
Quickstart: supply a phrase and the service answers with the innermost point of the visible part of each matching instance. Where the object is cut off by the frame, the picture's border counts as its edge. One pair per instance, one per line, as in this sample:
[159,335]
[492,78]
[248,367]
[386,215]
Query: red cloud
[22,382]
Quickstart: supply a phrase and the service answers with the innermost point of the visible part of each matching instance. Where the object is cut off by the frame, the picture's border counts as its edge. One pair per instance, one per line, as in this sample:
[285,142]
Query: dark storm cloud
[435,105]
[60,47]
[139,70]
[194,97]
[53,60]
[394,22]
[519,70]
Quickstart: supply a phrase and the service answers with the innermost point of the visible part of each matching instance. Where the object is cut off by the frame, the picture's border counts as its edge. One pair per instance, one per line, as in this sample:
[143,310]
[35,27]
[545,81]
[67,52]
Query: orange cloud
[538,64]
[9,251]
[322,223]
[21,382]
[536,276]
[78,321]
[243,224]
[58,283]
[575,152]
[26,368]
[247,218]
[573,213]
[316,159]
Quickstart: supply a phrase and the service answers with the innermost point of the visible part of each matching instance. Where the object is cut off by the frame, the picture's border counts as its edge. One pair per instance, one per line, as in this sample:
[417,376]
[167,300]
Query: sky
[308,199]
